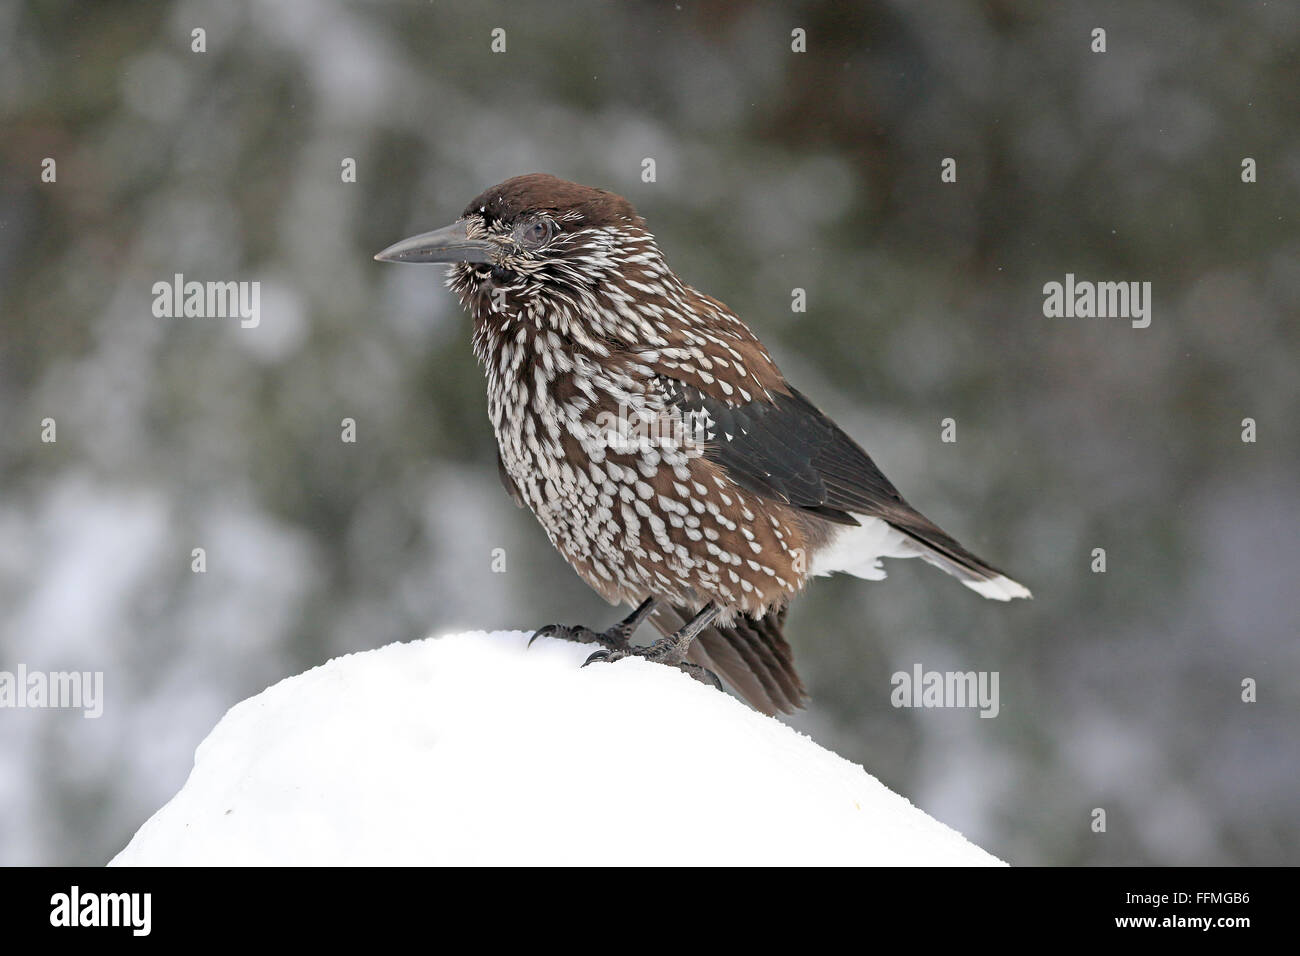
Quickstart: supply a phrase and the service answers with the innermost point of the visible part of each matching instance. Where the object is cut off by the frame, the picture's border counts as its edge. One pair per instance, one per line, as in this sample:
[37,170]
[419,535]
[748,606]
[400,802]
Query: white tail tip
[1001,588]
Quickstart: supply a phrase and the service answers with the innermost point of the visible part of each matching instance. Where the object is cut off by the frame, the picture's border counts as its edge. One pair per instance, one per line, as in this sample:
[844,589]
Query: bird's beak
[448,244]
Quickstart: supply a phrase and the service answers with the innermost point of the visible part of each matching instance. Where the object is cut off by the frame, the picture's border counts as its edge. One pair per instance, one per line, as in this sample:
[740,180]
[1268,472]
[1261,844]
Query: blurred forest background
[775,170]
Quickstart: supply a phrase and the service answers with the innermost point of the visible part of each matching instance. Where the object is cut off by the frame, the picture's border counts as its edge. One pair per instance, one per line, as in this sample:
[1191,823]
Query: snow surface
[469,749]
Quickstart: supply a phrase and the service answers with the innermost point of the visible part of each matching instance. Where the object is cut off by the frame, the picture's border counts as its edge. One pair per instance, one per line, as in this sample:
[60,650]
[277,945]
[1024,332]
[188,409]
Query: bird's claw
[605,656]
[546,631]
[701,674]
[616,644]
[580,635]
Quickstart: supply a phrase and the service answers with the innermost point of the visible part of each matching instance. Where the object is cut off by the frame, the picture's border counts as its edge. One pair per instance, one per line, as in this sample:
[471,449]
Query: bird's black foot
[665,651]
[668,650]
[616,638]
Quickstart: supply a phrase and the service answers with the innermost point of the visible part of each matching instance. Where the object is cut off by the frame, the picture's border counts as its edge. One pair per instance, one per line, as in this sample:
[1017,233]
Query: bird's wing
[766,436]
[772,441]
[783,447]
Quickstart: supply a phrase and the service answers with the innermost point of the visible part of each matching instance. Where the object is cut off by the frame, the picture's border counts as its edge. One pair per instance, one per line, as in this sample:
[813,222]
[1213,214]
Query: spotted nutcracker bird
[660,447]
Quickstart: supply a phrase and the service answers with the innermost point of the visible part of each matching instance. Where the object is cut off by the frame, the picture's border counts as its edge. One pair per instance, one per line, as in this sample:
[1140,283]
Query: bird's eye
[534,233]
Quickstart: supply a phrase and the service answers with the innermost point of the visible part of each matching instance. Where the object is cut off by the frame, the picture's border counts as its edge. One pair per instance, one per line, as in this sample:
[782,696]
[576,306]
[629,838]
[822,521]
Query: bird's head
[547,251]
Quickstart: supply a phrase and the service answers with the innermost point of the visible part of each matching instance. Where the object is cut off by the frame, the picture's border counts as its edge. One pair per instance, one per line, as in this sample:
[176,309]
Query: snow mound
[469,749]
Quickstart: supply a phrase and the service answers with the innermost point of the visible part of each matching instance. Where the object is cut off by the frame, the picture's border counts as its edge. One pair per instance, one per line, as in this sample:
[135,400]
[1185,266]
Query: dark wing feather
[789,450]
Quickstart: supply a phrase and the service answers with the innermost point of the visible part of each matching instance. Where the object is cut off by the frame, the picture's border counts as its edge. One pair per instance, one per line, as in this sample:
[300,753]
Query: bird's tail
[906,533]
[942,550]
[751,655]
